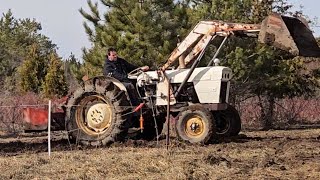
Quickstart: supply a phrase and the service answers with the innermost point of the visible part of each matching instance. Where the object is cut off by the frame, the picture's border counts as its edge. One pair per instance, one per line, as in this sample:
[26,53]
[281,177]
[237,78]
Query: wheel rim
[94,115]
[223,123]
[194,126]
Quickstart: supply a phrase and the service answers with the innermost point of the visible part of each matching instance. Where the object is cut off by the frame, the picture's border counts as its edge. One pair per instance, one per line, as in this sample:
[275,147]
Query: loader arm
[287,33]
[204,31]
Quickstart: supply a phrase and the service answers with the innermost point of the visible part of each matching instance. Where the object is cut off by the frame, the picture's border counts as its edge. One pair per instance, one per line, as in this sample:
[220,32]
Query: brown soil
[293,154]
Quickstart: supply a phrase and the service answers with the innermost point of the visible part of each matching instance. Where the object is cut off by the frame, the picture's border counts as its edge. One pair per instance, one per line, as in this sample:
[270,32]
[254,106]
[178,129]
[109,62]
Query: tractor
[100,112]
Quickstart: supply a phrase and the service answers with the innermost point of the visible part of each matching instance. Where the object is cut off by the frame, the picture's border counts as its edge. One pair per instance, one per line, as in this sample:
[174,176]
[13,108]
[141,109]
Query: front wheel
[195,124]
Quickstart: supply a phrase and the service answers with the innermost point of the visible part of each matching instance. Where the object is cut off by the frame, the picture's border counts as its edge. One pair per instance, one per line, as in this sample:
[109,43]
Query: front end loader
[290,34]
[100,111]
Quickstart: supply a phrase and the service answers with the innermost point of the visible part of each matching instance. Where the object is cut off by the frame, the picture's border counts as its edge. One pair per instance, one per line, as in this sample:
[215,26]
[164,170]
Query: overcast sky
[62,22]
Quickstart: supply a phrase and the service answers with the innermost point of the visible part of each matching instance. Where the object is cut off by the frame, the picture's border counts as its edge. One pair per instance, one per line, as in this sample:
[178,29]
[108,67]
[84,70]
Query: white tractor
[100,112]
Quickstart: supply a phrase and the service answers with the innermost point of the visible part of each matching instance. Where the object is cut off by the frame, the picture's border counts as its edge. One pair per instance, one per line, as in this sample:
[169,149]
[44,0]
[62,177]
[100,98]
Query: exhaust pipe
[289,34]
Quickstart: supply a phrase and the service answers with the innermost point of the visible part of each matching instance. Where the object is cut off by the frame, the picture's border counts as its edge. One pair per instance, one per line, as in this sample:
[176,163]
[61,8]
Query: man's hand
[145,68]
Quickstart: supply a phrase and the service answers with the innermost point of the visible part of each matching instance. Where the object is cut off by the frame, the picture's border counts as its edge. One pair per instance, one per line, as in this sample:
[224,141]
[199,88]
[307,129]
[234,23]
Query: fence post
[168,115]
[49,128]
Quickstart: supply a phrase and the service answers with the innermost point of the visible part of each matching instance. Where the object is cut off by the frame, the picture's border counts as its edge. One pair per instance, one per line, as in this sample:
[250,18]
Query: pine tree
[72,74]
[146,34]
[55,82]
[33,70]
[20,42]
[143,33]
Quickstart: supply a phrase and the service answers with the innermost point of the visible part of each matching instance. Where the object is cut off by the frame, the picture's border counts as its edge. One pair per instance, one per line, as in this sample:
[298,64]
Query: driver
[119,68]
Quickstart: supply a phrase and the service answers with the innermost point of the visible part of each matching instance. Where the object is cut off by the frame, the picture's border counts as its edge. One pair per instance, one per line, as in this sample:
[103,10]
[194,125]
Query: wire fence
[286,111]
[14,110]
[18,119]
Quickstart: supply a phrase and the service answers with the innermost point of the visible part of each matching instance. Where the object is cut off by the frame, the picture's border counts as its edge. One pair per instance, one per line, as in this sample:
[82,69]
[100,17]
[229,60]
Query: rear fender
[113,80]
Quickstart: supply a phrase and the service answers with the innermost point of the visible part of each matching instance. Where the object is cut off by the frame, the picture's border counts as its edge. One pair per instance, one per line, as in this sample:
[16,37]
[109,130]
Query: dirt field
[293,154]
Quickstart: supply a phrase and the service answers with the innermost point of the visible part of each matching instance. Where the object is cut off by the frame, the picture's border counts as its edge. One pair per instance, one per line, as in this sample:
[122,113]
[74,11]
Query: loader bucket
[289,34]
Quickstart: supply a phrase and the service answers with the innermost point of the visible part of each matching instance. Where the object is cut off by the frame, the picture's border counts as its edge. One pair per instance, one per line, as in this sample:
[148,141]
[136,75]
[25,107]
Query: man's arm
[130,67]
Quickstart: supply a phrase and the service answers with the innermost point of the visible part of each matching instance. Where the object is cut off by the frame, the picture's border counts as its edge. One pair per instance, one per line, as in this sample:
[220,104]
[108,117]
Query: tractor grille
[223,92]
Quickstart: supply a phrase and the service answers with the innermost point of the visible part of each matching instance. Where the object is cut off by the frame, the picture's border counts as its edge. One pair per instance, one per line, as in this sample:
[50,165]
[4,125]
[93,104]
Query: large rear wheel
[195,124]
[97,114]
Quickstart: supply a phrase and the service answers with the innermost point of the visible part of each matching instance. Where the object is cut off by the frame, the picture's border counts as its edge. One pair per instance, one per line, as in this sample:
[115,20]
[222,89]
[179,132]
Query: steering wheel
[135,73]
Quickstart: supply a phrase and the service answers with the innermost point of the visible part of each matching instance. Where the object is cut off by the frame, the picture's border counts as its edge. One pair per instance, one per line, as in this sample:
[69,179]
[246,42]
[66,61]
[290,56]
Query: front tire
[195,124]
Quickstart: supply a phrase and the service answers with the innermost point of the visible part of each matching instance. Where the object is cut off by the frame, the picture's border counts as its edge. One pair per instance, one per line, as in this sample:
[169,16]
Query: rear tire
[195,124]
[228,122]
[97,113]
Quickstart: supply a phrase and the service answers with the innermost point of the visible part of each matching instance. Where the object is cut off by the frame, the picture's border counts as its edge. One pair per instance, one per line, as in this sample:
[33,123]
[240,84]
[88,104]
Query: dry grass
[291,154]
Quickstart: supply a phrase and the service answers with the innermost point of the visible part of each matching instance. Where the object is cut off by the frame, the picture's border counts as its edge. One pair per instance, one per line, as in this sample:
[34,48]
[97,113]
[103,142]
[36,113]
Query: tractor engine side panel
[215,89]
[210,83]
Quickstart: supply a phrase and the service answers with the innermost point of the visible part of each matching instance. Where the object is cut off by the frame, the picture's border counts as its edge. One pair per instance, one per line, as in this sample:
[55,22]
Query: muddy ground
[292,154]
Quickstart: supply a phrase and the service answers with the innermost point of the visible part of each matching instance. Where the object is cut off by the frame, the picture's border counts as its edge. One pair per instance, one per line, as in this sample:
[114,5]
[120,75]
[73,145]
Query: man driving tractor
[119,68]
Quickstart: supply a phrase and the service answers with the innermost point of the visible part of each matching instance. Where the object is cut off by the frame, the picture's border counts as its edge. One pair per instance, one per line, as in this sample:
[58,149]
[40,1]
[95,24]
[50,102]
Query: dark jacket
[118,69]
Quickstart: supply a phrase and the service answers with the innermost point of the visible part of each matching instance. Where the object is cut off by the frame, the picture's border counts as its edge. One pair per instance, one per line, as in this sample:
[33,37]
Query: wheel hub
[99,117]
[222,123]
[94,115]
[194,126]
